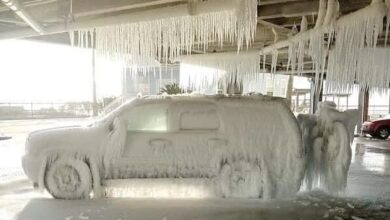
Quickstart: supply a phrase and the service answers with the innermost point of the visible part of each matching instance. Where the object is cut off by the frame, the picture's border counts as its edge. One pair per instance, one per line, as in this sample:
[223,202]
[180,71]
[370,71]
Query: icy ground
[367,195]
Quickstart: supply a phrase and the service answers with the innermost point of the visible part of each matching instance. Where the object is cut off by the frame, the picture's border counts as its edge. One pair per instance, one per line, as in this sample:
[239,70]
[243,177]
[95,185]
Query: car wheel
[241,180]
[383,133]
[68,179]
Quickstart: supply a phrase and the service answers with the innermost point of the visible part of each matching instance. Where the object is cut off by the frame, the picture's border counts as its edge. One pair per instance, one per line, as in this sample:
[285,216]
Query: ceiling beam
[272,25]
[58,11]
[272,2]
[12,21]
[294,8]
[290,9]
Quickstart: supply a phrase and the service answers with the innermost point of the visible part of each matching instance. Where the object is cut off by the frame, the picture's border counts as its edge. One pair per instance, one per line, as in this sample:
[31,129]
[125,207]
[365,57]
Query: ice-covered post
[32,110]
[366,100]
[290,90]
[94,101]
[315,95]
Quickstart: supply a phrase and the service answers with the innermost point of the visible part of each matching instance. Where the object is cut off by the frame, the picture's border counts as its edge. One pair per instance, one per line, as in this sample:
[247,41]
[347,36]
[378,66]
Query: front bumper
[366,129]
[31,167]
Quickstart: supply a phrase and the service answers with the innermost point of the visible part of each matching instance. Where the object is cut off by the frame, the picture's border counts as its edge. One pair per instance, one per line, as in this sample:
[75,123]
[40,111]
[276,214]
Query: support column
[315,96]
[363,107]
[366,100]
[290,91]
[94,99]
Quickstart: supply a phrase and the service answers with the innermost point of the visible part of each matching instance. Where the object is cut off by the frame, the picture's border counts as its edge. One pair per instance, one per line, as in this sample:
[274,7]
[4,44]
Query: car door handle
[217,142]
[160,142]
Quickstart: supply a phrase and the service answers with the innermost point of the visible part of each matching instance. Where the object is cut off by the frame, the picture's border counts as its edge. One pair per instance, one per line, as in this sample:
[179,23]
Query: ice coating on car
[245,146]
[229,151]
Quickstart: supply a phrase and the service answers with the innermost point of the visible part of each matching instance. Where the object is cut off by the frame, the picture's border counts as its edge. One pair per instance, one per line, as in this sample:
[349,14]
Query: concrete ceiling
[280,15]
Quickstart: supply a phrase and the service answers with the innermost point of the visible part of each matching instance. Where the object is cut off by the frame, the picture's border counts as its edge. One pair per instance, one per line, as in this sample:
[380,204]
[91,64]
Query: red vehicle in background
[379,128]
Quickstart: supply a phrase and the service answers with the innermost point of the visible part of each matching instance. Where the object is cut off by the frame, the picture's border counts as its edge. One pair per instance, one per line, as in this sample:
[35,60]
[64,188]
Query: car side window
[199,118]
[148,117]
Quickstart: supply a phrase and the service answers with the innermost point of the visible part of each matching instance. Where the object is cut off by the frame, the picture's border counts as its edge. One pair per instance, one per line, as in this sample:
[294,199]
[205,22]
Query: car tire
[383,133]
[240,180]
[68,179]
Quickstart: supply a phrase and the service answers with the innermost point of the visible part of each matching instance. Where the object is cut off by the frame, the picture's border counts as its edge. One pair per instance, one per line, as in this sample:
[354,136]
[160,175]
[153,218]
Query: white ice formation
[344,48]
[195,25]
[204,70]
[327,139]
[257,153]
[206,73]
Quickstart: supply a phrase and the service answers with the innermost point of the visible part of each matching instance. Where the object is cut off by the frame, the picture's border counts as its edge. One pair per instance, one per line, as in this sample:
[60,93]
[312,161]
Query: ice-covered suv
[247,146]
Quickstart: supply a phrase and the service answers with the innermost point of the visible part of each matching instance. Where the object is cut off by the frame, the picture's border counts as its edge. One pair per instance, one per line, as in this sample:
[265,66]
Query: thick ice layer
[243,146]
[327,139]
[246,159]
[354,56]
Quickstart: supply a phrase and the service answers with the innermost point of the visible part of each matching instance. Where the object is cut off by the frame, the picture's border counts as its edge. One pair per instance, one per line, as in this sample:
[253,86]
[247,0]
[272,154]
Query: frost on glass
[147,118]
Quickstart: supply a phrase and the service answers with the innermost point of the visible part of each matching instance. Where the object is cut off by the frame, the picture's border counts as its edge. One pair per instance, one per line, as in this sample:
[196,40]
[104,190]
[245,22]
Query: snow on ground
[367,195]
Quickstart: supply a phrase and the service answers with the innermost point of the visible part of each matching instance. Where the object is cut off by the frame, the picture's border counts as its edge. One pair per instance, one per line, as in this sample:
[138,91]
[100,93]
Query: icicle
[354,55]
[321,13]
[274,61]
[203,71]
[71,37]
[387,3]
[330,12]
[303,24]
[138,44]
[276,35]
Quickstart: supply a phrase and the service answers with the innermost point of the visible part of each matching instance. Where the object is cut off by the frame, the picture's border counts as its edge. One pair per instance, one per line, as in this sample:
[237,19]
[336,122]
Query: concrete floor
[367,195]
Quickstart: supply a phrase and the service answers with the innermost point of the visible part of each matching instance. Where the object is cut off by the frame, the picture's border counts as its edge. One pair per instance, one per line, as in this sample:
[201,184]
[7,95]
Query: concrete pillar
[366,100]
[315,96]
[363,107]
[94,98]
[290,90]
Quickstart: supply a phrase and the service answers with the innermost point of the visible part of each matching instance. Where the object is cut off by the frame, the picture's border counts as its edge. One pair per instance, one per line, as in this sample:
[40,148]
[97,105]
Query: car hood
[75,138]
[380,120]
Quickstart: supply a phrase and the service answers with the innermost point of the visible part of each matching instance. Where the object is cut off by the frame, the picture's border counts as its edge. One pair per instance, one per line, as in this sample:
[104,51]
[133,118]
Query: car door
[199,139]
[147,143]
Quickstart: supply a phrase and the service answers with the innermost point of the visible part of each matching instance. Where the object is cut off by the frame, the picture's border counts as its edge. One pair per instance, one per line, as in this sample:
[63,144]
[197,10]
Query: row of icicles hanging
[198,25]
[342,50]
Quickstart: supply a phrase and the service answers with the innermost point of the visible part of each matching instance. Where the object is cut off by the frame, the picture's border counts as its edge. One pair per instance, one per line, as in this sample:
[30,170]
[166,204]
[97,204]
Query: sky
[33,71]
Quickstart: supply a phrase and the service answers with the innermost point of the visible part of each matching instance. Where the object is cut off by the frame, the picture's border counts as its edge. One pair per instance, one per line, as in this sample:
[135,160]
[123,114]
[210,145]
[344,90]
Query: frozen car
[378,129]
[248,146]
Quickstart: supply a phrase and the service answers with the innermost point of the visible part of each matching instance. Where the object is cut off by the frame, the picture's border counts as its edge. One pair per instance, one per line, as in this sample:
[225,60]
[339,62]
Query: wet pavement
[369,174]
[367,195]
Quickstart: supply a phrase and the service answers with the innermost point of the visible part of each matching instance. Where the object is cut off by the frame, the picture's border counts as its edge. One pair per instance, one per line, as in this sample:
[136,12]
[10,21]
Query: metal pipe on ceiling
[307,34]
[24,15]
